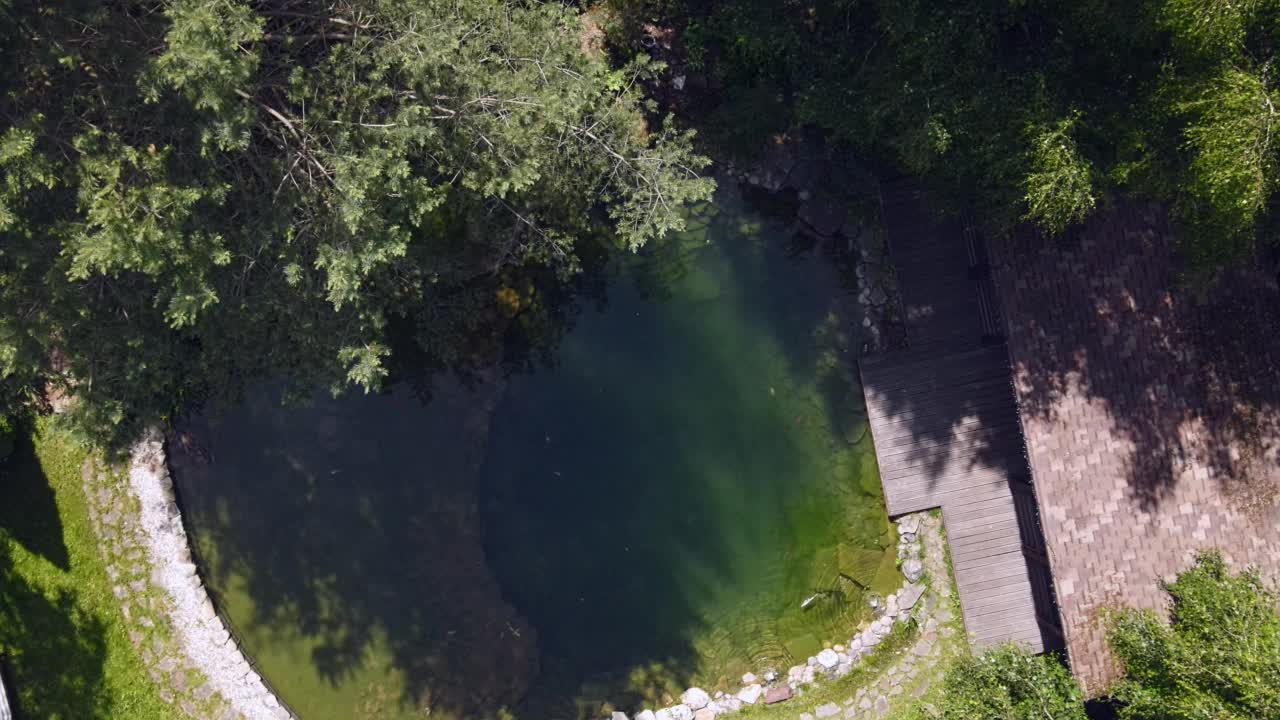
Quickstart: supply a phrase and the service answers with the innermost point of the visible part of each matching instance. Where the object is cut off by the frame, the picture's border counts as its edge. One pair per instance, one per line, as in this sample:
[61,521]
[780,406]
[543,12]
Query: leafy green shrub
[1219,656]
[1059,190]
[1009,683]
[6,438]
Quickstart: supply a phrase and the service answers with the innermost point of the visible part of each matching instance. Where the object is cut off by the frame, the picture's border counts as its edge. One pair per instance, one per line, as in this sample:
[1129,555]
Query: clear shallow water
[647,513]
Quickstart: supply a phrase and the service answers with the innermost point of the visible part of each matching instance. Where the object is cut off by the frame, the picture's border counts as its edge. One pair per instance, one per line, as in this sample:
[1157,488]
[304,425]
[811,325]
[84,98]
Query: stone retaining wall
[189,652]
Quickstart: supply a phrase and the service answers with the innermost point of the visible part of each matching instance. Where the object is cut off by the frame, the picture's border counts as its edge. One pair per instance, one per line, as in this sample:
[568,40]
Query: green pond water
[647,512]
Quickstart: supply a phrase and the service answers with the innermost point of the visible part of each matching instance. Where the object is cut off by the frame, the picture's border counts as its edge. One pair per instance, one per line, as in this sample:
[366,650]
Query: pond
[648,511]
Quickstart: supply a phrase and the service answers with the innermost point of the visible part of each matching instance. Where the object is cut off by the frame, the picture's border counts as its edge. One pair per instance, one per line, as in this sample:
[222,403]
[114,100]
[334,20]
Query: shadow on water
[662,502]
[647,509]
[343,541]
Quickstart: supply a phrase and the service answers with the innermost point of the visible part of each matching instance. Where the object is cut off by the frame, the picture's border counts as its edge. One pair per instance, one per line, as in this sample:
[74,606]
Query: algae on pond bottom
[661,502]
[648,512]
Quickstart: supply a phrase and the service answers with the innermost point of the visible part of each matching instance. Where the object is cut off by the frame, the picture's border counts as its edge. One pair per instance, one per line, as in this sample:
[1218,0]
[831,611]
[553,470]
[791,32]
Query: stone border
[921,548]
[197,663]
[189,652]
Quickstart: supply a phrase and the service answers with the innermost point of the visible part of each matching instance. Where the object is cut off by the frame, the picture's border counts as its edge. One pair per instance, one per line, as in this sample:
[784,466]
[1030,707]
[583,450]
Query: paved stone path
[1151,414]
[188,652]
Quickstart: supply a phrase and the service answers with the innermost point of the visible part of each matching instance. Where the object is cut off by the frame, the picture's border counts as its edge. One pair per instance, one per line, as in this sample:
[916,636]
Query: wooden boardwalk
[946,428]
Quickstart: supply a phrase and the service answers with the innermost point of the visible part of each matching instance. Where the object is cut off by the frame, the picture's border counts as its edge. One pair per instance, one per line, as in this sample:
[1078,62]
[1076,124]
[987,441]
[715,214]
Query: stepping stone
[828,710]
[778,694]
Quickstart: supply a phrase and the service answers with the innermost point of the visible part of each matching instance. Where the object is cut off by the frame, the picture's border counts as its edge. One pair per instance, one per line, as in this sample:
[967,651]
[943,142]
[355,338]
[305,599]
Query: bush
[6,438]
[1218,657]
[1009,683]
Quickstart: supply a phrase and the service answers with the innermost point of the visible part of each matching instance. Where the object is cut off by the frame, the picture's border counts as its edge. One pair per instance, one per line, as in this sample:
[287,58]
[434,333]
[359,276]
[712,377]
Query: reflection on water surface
[648,513]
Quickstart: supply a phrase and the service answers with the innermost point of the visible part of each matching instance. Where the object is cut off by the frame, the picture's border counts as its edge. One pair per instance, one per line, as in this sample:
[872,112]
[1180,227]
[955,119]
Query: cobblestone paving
[114,513]
[1151,414]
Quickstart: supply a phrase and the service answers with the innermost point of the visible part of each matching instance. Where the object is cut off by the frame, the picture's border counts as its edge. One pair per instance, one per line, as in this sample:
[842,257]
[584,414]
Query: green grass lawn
[61,632]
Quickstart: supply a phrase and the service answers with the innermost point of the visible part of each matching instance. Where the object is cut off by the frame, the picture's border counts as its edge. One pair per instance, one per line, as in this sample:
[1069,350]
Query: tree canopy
[1009,683]
[195,194]
[1034,110]
[1217,657]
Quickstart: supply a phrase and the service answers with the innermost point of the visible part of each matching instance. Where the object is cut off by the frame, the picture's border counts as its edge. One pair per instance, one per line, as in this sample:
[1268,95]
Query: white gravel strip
[197,628]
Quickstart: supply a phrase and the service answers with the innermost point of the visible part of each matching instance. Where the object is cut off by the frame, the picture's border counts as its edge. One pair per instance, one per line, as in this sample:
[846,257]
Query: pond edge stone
[201,636]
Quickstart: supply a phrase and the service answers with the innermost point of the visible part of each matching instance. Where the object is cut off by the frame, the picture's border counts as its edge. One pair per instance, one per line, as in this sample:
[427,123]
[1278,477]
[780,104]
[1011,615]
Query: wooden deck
[947,432]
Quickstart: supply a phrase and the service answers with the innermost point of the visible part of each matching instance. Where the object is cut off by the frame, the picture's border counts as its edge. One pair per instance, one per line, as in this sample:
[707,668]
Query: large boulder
[751,693]
[823,216]
[780,693]
[909,596]
[913,570]
[695,698]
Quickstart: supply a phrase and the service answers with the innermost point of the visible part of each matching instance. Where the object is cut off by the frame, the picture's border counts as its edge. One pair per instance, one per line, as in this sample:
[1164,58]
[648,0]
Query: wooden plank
[944,419]
[1006,623]
[994,406]
[973,457]
[973,431]
[941,390]
[1024,632]
[924,376]
[987,573]
[974,549]
[959,502]
[939,426]
[904,370]
[997,544]
[1011,616]
[926,499]
[963,532]
[958,513]
[984,432]
[947,482]
[992,426]
[1019,625]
